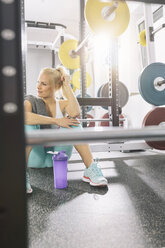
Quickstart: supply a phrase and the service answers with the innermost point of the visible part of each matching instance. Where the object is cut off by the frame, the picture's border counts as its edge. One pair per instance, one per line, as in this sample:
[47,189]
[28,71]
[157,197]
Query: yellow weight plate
[94,13]
[142,38]
[74,89]
[76,79]
[65,54]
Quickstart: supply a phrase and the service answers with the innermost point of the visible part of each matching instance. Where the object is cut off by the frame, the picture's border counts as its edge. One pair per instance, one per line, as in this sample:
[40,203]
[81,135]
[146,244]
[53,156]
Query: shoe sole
[29,191]
[88,180]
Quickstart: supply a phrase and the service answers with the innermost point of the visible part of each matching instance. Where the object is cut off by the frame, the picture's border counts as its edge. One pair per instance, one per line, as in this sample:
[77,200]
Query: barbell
[152,32]
[93,135]
[111,18]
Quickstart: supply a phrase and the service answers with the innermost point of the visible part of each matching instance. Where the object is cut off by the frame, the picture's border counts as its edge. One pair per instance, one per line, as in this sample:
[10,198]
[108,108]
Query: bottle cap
[60,156]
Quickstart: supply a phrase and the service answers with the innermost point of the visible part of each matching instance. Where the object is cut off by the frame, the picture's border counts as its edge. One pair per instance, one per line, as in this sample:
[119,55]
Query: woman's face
[44,87]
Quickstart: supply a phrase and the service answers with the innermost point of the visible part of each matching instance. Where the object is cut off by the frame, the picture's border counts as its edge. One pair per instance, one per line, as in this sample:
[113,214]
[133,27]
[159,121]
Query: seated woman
[45,111]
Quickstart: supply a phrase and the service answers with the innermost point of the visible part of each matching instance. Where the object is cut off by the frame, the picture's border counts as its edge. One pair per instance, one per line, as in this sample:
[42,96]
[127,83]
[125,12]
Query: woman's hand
[67,122]
[66,86]
[72,107]
[65,79]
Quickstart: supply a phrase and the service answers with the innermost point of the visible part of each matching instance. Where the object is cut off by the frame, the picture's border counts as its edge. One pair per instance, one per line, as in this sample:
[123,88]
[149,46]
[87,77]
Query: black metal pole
[13,217]
[115,80]
[82,60]
[53,59]
[61,39]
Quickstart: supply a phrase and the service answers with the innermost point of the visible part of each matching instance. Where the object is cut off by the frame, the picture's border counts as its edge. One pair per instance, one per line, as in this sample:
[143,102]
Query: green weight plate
[149,77]
[155,117]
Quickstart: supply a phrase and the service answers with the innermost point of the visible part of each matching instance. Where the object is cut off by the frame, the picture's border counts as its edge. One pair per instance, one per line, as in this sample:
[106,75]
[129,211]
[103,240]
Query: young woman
[45,111]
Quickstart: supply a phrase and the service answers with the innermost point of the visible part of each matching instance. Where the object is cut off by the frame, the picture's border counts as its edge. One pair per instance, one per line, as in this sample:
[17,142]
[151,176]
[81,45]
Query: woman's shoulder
[38,105]
[33,99]
[30,98]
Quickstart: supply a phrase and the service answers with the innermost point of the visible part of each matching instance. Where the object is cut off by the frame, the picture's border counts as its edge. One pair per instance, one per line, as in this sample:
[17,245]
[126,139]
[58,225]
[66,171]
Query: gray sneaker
[94,176]
[28,186]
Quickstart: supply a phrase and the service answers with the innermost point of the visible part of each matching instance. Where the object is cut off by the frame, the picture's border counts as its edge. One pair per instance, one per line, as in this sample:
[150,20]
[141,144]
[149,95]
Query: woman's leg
[92,173]
[85,153]
[28,186]
[28,150]
[35,156]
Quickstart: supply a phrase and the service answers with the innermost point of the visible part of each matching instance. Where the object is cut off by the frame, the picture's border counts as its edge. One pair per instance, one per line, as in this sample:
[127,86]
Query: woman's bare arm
[36,119]
[72,106]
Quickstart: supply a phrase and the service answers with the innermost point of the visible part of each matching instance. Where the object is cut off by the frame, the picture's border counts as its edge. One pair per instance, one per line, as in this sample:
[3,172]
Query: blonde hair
[55,75]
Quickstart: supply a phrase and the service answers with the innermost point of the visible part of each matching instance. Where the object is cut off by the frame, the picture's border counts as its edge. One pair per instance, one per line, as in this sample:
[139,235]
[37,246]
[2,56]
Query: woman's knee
[68,149]
[31,127]
[77,127]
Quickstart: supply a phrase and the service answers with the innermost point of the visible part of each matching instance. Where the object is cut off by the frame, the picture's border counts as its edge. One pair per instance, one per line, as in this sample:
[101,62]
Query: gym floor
[129,213]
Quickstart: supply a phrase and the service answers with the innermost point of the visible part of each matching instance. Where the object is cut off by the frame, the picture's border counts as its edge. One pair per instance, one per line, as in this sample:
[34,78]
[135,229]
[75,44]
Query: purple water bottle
[60,170]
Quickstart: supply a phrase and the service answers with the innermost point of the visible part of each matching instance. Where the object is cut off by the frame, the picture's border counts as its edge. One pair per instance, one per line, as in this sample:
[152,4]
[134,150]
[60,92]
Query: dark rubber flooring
[129,213]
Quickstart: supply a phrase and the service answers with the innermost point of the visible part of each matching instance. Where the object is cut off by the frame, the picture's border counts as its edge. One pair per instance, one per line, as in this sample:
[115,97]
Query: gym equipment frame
[13,214]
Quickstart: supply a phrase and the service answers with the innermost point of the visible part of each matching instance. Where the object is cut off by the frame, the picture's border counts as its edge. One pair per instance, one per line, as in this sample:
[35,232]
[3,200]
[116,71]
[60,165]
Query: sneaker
[28,186]
[94,176]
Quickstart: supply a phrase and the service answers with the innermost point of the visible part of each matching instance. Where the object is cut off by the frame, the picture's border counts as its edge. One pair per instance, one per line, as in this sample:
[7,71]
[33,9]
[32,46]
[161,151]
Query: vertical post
[53,58]
[13,217]
[61,39]
[24,45]
[82,60]
[148,14]
[115,82]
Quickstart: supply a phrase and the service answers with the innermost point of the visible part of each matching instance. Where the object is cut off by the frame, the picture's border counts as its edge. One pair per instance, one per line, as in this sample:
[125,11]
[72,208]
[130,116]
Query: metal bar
[150,48]
[99,101]
[53,59]
[82,60]
[82,43]
[56,39]
[147,1]
[160,83]
[90,119]
[13,216]
[40,43]
[158,29]
[110,10]
[61,39]
[115,84]
[24,48]
[92,135]
[47,25]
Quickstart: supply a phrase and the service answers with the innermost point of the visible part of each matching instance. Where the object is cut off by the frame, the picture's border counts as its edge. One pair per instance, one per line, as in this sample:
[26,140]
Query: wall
[36,60]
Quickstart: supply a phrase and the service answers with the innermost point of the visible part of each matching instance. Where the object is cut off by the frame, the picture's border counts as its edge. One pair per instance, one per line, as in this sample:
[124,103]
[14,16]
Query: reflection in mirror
[122,58]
